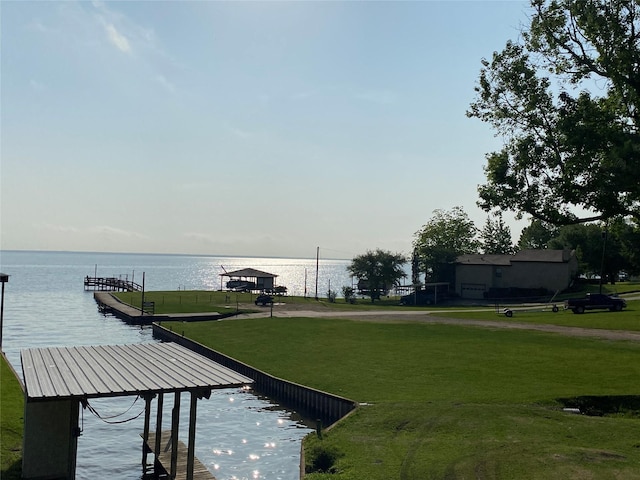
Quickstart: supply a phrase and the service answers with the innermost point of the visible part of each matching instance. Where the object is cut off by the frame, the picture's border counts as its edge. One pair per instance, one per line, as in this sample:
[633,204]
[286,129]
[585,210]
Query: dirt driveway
[319,310]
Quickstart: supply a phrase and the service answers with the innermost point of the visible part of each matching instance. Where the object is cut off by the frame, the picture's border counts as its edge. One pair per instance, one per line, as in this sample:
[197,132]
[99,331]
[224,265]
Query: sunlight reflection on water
[239,436]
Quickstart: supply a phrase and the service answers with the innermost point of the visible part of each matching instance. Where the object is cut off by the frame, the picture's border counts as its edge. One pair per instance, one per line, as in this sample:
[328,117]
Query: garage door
[472,290]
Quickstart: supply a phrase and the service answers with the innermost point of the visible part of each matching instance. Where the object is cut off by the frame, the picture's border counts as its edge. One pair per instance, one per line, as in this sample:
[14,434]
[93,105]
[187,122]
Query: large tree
[587,240]
[566,101]
[496,236]
[378,270]
[602,249]
[447,235]
[628,235]
[537,235]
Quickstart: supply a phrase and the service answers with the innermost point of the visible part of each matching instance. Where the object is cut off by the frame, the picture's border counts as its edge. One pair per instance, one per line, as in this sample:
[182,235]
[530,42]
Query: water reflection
[46,306]
[238,436]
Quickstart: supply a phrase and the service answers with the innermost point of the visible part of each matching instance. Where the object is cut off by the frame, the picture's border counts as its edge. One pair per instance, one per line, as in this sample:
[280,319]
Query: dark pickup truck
[595,301]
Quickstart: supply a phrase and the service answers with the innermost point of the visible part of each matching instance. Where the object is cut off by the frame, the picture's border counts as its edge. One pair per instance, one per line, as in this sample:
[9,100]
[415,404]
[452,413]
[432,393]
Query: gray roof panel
[115,370]
[248,273]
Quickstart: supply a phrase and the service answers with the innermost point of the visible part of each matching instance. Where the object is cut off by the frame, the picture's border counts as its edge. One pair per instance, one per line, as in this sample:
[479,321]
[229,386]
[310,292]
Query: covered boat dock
[58,380]
[250,280]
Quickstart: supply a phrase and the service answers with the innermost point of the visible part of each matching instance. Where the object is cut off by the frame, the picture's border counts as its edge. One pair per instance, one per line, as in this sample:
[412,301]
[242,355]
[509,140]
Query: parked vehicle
[240,285]
[264,300]
[418,298]
[595,301]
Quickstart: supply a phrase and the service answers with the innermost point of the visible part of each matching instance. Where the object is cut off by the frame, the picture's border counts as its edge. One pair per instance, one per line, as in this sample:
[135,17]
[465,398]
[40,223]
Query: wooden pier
[163,459]
[110,284]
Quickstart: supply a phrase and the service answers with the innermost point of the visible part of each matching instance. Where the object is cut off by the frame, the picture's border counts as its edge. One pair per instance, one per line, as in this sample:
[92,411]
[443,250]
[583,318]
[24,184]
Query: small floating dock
[162,465]
[110,284]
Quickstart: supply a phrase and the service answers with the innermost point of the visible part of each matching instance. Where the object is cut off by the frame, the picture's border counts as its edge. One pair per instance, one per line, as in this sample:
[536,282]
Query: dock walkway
[108,303]
[163,459]
[110,284]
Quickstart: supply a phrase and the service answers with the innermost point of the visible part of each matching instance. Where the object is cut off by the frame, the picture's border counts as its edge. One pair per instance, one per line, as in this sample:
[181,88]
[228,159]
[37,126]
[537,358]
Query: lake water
[239,435]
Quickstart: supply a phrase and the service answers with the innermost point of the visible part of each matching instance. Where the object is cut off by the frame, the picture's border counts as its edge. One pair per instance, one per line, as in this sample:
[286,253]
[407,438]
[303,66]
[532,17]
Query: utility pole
[4,278]
[317,268]
[604,244]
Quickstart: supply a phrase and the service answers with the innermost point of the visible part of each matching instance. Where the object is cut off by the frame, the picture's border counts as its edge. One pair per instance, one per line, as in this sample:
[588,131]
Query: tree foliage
[379,270]
[447,235]
[602,248]
[566,99]
[627,234]
[537,235]
[587,241]
[496,236]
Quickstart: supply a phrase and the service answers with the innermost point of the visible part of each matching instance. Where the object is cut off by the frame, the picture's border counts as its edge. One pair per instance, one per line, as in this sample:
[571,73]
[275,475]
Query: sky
[242,128]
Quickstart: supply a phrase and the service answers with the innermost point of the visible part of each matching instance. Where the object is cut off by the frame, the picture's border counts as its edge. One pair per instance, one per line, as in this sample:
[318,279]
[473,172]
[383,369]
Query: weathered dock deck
[111,284]
[110,304]
[163,459]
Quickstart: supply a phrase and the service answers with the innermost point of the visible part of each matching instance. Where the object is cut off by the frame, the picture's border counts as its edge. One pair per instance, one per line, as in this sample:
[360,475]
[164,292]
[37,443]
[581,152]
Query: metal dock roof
[117,370]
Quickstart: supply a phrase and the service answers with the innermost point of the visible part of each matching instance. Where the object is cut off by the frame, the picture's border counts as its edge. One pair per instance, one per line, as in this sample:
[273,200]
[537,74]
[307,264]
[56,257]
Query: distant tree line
[610,248]
[607,247]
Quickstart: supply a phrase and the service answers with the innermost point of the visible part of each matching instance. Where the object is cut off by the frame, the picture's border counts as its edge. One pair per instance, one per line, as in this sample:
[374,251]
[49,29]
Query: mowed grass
[11,423]
[628,319]
[199,301]
[446,401]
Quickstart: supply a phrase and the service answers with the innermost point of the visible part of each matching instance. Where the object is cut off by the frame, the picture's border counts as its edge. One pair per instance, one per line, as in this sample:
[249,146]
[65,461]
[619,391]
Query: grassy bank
[199,301]
[448,401]
[11,423]
[222,302]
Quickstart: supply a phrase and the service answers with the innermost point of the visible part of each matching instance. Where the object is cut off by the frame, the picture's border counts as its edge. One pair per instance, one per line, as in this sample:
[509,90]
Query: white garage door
[472,290]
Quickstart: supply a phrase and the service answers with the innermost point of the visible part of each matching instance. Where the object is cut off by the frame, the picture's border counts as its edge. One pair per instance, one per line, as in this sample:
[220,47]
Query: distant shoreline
[168,254]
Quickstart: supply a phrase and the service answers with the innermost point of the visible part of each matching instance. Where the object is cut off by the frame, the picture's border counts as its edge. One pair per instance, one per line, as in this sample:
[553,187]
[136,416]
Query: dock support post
[159,425]
[175,420]
[145,435]
[192,435]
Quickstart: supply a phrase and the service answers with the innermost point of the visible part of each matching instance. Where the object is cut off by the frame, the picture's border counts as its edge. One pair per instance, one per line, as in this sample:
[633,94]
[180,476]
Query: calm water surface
[239,435]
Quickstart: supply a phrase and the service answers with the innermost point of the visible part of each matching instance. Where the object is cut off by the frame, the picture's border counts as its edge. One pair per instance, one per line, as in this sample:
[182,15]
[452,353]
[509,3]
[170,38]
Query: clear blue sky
[241,128]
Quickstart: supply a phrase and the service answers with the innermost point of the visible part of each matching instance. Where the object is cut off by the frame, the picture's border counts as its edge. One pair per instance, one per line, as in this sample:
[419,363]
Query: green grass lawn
[198,301]
[628,319]
[616,288]
[11,423]
[448,401]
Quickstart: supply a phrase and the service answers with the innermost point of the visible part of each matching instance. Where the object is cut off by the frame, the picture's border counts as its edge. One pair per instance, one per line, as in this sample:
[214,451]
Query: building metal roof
[482,259]
[542,255]
[249,273]
[117,370]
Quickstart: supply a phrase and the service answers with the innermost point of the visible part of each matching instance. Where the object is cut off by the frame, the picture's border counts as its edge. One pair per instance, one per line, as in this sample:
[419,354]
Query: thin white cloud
[114,231]
[302,95]
[117,39]
[162,80]
[239,132]
[382,97]
[138,41]
[36,85]
[60,228]
[193,186]
[199,237]
[38,26]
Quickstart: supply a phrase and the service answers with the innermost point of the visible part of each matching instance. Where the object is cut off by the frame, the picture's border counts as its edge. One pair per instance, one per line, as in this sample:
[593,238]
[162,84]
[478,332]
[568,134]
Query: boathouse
[59,380]
[250,279]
